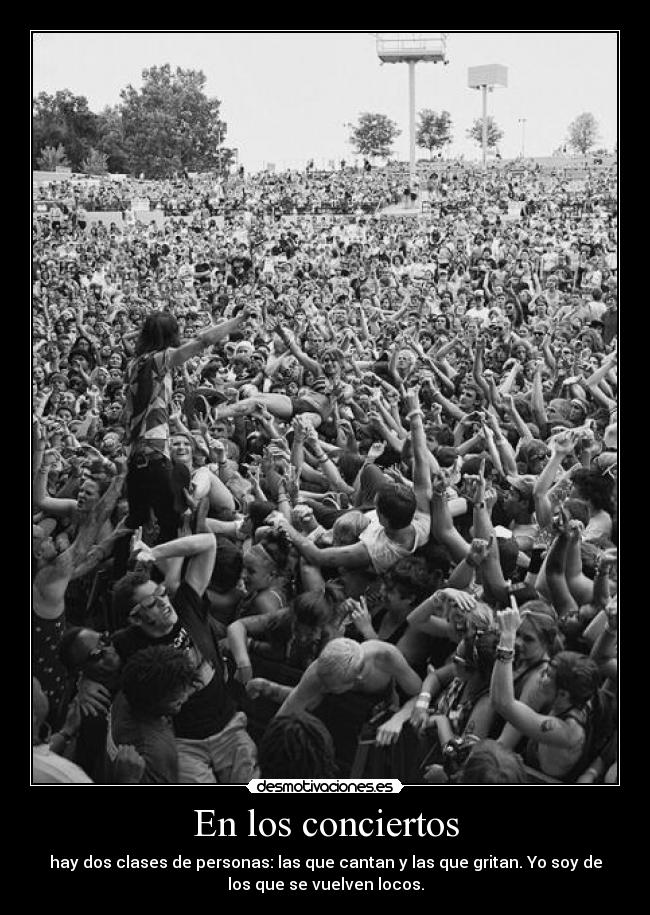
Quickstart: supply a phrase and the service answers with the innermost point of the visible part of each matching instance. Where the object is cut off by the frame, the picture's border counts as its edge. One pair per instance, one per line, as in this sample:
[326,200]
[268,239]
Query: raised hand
[439,484]
[360,616]
[479,549]
[509,402]
[139,549]
[453,598]
[574,530]
[508,622]
[413,399]
[561,521]
[376,450]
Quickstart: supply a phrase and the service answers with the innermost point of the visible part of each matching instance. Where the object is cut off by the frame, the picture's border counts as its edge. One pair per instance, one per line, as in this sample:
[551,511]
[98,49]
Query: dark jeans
[150,487]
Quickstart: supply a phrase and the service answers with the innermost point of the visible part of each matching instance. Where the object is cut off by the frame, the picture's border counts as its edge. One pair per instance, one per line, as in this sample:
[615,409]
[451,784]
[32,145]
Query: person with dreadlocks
[297,743]
[156,682]
[149,390]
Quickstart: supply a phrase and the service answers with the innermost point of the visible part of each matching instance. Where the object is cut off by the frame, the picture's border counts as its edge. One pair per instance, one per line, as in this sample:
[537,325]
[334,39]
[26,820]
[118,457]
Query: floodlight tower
[486,78]
[411,48]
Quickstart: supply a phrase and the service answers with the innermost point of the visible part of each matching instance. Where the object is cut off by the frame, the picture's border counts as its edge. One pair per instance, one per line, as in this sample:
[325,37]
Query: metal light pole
[412,123]
[486,78]
[522,121]
[484,126]
[411,48]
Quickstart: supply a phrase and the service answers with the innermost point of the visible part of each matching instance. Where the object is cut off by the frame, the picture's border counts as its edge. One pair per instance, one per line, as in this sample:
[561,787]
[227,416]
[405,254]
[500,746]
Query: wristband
[505,655]
[479,505]
[323,460]
[413,413]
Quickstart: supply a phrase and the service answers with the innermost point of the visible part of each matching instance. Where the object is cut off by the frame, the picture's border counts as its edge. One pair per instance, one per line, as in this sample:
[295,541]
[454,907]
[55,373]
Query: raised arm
[543,728]
[204,338]
[561,446]
[310,364]
[200,549]
[307,695]
[522,429]
[421,469]
[44,502]
[348,557]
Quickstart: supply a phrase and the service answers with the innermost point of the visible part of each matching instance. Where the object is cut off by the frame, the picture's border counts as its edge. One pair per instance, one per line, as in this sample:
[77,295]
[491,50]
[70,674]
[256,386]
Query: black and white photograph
[324,448]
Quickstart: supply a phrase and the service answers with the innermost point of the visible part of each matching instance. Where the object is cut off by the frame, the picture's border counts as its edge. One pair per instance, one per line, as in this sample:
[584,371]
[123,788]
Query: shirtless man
[343,665]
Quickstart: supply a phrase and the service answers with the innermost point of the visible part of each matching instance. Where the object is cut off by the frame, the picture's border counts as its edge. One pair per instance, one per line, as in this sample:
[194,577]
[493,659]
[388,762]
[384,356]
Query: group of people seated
[331,497]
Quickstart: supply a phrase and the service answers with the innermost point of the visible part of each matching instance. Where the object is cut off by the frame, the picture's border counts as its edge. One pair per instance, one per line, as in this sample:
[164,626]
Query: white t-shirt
[51,769]
[385,553]
[600,525]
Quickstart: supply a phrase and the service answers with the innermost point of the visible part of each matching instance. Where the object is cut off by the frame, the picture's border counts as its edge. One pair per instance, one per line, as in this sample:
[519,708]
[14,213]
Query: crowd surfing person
[301,468]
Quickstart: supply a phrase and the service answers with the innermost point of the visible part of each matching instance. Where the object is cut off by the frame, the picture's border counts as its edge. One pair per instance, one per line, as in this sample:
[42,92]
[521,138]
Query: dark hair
[491,764]
[123,591]
[259,512]
[593,487]
[349,466]
[472,465]
[578,509]
[316,606]
[576,674]
[479,651]
[415,577]
[396,502]
[159,331]
[152,676]
[65,648]
[278,548]
[298,743]
[228,568]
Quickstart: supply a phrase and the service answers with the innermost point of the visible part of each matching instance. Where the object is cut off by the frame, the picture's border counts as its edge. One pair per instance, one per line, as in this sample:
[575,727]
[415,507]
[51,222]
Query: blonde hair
[348,527]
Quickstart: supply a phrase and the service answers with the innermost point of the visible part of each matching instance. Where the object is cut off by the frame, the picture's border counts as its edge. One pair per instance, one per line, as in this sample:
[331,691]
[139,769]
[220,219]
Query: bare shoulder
[383,653]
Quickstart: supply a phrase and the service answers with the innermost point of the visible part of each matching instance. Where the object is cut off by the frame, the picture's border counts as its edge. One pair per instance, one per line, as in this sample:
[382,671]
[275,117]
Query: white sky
[286,96]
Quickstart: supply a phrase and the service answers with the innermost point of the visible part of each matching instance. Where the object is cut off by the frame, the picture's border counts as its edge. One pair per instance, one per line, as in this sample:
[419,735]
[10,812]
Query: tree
[434,130]
[374,134]
[95,163]
[170,124]
[51,157]
[110,140]
[494,132]
[63,119]
[583,132]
